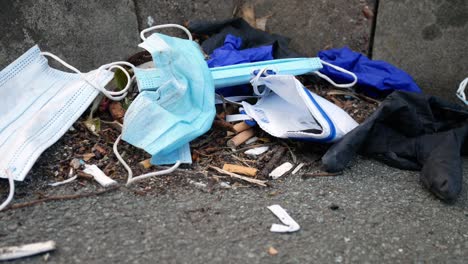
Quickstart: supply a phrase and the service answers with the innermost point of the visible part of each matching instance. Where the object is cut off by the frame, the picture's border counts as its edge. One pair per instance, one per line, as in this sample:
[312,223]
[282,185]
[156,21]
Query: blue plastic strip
[330,123]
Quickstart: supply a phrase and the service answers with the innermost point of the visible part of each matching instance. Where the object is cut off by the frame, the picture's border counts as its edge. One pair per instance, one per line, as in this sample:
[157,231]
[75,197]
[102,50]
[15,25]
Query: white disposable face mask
[286,109]
[39,104]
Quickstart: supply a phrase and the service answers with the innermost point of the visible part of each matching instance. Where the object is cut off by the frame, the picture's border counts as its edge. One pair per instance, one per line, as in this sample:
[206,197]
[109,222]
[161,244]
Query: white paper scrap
[289,224]
[281,170]
[297,168]
[257,151]
[8,253]
[99,175]
[251,140]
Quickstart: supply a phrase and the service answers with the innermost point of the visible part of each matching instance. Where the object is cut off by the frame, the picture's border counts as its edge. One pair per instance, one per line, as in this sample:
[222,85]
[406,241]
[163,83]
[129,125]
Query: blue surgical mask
[238,74]
[175,104]
[242,73]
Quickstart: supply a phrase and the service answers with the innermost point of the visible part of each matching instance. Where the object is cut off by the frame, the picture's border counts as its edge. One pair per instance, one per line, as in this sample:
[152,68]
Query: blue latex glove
[374,77]
[230,53]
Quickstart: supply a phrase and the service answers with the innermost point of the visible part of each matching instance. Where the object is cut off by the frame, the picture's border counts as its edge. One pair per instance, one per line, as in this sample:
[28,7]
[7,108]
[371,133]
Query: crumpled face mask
[175,104]
[286,109]
[39,104]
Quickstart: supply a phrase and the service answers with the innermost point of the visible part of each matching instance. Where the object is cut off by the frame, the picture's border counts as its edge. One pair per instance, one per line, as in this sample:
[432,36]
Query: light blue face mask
[39,104]
[175,104]
[238,74]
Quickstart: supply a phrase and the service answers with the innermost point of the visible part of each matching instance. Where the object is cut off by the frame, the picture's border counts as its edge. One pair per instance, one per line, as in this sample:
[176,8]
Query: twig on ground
[60,198]
[273,163]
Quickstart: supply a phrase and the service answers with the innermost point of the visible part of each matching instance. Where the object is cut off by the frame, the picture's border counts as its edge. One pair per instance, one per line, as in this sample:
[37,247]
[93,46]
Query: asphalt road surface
[371,214]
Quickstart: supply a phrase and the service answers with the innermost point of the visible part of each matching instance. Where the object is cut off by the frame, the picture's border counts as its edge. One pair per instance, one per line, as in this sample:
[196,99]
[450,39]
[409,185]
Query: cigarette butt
[146,163]
[230,134]
[242,126]
[240,138]
[240,169]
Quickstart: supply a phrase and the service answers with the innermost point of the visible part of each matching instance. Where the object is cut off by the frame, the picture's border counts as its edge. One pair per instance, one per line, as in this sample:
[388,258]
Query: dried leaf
[117,111]
[120,79]
[88,156]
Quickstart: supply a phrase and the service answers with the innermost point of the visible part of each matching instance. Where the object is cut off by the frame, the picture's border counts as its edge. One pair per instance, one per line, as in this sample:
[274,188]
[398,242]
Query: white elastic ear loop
[344,85]
[109,94]
[11,182]
[118,95]
[461,91]
[256,82]
[146,30]
[132,179]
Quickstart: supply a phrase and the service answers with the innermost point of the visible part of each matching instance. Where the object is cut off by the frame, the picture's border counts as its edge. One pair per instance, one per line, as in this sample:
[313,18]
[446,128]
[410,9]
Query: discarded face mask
[38,106]
[175,104]
[286,109]
[238,74]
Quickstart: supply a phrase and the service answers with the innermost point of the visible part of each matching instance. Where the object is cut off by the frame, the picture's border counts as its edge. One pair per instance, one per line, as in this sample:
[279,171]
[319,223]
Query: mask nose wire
[132,179]
[113,95]
[11,192]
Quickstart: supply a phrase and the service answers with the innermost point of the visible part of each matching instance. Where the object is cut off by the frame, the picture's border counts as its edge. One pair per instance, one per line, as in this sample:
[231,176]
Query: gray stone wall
[428,39]
[90,33]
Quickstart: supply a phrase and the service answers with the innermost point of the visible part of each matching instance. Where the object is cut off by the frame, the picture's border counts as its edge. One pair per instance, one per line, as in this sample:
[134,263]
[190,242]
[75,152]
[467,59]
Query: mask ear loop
[257,82]
[11,183]
[461,91]
[132,179]
[344,85]
[146,30]
[113,95]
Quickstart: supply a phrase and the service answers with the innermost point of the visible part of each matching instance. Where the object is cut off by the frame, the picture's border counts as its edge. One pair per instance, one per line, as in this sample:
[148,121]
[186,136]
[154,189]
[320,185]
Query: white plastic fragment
[251,140]
[150,21]
[99,175]
[70,179]
[297,168]
[54,184]
[197,184]
[256,151]
[281,170]
[225,185]
[289,224]
[8,253]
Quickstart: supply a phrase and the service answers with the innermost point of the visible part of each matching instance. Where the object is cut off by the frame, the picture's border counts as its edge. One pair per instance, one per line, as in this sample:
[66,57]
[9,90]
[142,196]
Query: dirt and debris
[91,142]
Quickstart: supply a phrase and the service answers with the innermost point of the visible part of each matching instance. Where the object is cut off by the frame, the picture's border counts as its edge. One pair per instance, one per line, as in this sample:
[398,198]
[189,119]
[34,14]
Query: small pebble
[75,163]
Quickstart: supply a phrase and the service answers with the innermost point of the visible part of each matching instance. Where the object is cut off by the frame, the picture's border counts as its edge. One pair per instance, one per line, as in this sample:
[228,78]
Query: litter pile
[234,105]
